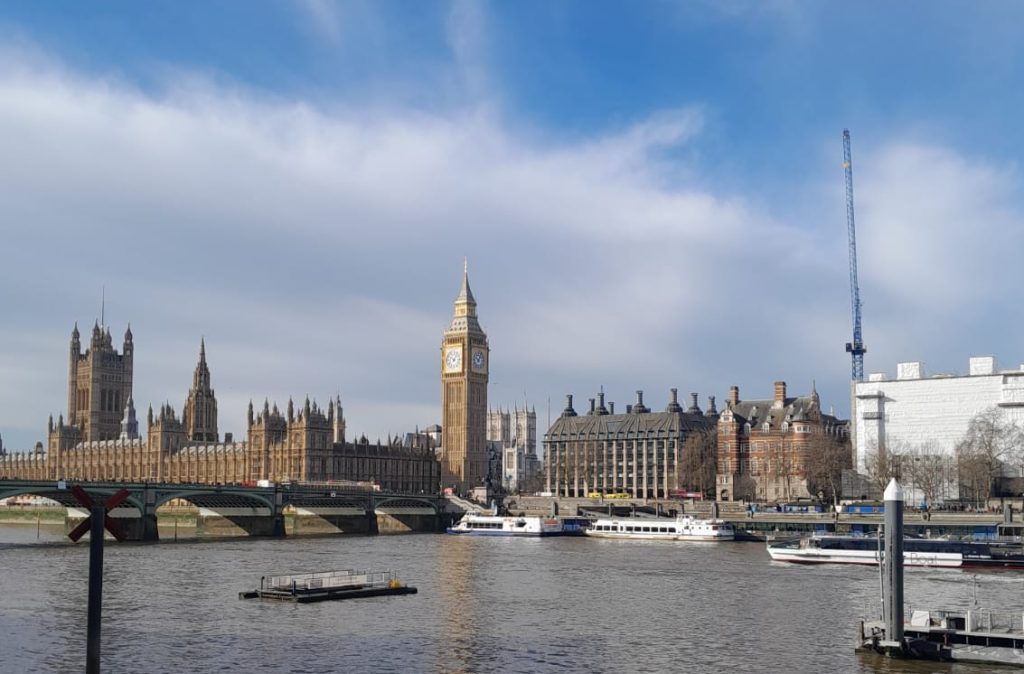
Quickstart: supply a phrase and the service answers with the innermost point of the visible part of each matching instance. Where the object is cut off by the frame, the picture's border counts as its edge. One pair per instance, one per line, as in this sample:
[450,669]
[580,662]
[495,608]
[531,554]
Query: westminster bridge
[258,511]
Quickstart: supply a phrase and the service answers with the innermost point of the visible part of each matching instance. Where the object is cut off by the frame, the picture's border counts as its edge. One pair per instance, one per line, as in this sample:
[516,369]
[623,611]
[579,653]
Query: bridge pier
[150,531]
[128,519]
[277,530]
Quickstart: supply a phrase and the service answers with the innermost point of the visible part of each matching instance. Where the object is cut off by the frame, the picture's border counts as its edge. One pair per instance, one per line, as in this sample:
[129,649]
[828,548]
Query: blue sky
[650,195]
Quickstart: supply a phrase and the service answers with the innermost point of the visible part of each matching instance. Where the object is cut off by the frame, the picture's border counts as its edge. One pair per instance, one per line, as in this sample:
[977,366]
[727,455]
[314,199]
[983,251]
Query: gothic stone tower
[99,384]
[464,361]
[200,416]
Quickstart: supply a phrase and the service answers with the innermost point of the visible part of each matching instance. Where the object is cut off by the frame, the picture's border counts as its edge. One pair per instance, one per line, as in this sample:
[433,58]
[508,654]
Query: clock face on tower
[453,359]
[479,359]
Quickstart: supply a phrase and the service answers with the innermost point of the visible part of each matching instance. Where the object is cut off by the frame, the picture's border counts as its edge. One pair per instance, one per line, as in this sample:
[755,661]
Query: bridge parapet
[257,510]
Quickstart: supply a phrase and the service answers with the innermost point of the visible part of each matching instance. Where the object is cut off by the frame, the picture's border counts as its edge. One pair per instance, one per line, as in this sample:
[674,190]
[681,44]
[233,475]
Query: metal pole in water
[92,657]
[892,590]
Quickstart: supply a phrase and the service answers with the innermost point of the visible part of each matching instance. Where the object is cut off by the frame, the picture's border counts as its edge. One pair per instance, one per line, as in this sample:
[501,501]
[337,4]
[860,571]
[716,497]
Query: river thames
[484,605]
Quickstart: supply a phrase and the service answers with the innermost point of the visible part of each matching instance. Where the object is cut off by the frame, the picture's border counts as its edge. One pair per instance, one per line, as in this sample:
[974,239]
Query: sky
[649,195]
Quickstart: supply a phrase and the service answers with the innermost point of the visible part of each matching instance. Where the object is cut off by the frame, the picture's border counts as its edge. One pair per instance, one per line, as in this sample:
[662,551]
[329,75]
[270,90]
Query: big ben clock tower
[465,359]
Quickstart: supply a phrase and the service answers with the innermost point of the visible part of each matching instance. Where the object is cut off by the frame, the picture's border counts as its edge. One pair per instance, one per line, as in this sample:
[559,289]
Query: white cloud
[938,224]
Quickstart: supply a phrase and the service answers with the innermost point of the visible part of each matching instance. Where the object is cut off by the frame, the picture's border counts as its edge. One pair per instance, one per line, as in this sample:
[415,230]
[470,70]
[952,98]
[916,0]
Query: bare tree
[744,488]
[780,467]
[990,439]
[534,481]
[882,463]
[1016,457]
[827,457]
[578,468]
[588,468]
[926,469]
[560,464]
[699,462]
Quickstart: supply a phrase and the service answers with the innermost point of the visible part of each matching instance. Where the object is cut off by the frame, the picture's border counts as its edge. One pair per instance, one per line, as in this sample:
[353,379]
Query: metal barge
[328,586]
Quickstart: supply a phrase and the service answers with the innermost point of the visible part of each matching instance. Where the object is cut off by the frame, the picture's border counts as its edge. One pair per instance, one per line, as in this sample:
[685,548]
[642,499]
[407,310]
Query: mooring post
[95,611]
[892,584]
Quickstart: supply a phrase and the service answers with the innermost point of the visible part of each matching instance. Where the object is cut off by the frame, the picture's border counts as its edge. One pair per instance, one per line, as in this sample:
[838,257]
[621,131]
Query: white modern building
[513,433]
[917,410]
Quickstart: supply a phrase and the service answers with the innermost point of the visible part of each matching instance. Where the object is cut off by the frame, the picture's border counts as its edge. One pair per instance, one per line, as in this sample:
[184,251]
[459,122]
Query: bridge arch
[64,497]
[400,501]
[204,498]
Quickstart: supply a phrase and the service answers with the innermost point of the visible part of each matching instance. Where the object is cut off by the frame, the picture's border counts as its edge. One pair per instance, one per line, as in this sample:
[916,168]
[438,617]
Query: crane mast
[856,348]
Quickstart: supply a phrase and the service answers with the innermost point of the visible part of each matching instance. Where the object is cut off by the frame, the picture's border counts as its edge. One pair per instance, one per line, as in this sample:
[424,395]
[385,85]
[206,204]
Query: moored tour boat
[933,552]
[523,525]
[682,528]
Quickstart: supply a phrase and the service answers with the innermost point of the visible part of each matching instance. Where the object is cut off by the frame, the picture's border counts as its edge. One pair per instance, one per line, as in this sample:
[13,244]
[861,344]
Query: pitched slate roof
[656,424]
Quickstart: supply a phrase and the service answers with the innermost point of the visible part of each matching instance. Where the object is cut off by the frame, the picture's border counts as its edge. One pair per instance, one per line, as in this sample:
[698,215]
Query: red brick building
[766,446]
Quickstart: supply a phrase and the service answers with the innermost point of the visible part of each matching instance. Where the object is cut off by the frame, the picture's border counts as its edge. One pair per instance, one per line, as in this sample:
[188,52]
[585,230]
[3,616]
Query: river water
[484,605]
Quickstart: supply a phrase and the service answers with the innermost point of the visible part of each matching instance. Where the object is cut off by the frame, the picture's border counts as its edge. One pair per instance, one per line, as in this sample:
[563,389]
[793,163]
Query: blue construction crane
[856,348]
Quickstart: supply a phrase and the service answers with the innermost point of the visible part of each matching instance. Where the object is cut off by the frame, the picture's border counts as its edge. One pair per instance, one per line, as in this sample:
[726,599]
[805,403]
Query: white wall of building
[914,409]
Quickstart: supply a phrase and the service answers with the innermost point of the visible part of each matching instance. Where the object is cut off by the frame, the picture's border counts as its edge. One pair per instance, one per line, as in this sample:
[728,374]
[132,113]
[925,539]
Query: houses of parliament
[100,438]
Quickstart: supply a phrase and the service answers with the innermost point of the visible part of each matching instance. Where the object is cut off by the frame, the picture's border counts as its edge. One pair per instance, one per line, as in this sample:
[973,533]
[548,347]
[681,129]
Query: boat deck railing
[971,620]
[326,580]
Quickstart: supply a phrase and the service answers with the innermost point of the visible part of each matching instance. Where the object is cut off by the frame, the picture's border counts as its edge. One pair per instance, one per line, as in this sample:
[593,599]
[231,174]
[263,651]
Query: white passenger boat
[682,528]
[865,550]
[523,525]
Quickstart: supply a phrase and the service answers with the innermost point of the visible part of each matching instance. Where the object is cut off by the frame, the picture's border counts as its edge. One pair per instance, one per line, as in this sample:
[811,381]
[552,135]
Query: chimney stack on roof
[694,407]
[780,393]
[673,405]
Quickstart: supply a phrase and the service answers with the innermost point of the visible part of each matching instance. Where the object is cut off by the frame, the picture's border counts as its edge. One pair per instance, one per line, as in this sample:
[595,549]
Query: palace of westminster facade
[100,439]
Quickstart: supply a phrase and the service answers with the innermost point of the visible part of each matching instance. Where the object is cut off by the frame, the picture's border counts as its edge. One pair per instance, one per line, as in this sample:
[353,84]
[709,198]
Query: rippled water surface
[484,605]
